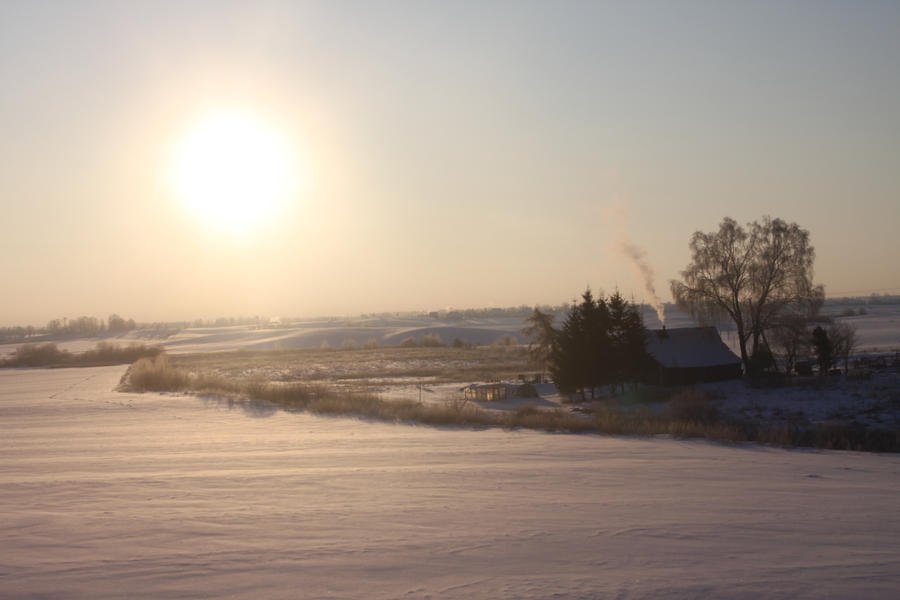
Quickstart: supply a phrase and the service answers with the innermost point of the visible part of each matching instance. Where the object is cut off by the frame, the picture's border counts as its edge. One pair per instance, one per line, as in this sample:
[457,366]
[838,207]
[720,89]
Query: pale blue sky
[458,153]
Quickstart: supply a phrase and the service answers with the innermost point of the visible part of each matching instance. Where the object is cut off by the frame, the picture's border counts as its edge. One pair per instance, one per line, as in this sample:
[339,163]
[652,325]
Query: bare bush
[506,340]
[37,355]
[431,340]
[843,341]
[104,353]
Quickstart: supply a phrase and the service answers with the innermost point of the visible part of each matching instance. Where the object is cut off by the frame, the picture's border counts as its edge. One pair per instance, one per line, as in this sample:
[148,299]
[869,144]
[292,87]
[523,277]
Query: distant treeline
[80,327]
[89,326]
[874,299]
[522,311]
[104,353]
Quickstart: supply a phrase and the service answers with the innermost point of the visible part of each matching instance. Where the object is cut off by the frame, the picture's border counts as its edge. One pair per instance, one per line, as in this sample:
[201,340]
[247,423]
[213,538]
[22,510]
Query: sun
[234,171]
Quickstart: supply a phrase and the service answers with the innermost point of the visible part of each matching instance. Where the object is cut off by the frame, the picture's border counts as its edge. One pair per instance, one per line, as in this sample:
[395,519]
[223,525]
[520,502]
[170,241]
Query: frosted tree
[752,276]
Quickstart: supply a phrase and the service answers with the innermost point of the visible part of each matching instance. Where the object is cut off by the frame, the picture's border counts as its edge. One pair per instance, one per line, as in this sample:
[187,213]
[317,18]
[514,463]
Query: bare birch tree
[751,276]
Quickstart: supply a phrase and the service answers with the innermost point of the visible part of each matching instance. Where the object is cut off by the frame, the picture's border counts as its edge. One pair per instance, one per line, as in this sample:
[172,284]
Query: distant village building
[689,355]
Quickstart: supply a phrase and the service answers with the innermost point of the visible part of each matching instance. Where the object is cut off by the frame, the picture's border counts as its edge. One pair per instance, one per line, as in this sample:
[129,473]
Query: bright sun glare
[234,171]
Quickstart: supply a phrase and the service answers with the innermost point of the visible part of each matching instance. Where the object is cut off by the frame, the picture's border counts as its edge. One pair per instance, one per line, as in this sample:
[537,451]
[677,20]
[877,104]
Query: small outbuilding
[487,392]
[689,355]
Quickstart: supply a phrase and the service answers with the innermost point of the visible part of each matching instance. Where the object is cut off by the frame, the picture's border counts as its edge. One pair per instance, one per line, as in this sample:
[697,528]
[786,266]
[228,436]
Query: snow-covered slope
[337,334]
[877,331]
[109,495]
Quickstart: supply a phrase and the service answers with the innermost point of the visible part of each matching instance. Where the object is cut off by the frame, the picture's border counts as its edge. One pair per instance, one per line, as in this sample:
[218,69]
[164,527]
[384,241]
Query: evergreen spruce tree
[568,359]
[601,343]
[627,336]
[824,349]
[579,361]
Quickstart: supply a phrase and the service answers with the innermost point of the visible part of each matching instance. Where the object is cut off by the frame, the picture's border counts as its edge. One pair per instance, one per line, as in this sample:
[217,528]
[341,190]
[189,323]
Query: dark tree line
[601,343]
[81,326]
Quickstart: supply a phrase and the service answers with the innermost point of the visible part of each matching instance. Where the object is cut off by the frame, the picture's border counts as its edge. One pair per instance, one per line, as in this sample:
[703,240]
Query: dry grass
[692,406]
[437,363]
[688,414]
[155,375]
[159,375]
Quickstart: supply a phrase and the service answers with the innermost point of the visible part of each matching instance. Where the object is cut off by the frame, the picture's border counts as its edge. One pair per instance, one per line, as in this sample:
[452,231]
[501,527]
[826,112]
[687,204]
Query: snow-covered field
[111,495]
[311,334]
[878,331]
[873,402]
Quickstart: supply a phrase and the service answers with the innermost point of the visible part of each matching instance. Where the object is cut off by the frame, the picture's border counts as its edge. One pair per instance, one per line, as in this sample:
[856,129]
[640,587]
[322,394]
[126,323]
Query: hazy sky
[450,154]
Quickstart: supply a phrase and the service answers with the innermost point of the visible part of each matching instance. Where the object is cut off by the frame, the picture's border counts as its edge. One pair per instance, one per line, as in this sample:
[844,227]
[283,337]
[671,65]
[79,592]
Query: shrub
[37,355]
[106,353]
[409,342]
[431,340]
[506,340]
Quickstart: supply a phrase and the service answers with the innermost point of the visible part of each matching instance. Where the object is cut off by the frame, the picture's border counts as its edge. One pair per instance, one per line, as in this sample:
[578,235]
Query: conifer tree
[824,349]
[601,342]
[627,336]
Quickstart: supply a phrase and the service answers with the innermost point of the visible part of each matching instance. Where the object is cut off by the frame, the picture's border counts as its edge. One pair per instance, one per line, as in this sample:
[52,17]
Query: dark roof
[689,347]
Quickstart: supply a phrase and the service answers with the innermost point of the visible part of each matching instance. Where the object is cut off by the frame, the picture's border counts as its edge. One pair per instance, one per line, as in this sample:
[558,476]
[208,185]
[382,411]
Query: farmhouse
[689,355]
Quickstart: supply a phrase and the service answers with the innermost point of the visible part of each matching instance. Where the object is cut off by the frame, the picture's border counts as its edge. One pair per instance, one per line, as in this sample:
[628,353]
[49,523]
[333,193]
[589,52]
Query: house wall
[685,376]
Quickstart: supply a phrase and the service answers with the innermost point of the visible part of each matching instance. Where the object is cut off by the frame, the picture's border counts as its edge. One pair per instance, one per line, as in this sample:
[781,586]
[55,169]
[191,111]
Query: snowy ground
[110,495]
[312,334]
[874,402]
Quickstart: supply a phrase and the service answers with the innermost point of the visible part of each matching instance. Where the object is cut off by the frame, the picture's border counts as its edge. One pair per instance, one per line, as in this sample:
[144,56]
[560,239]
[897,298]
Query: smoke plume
[639,259]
